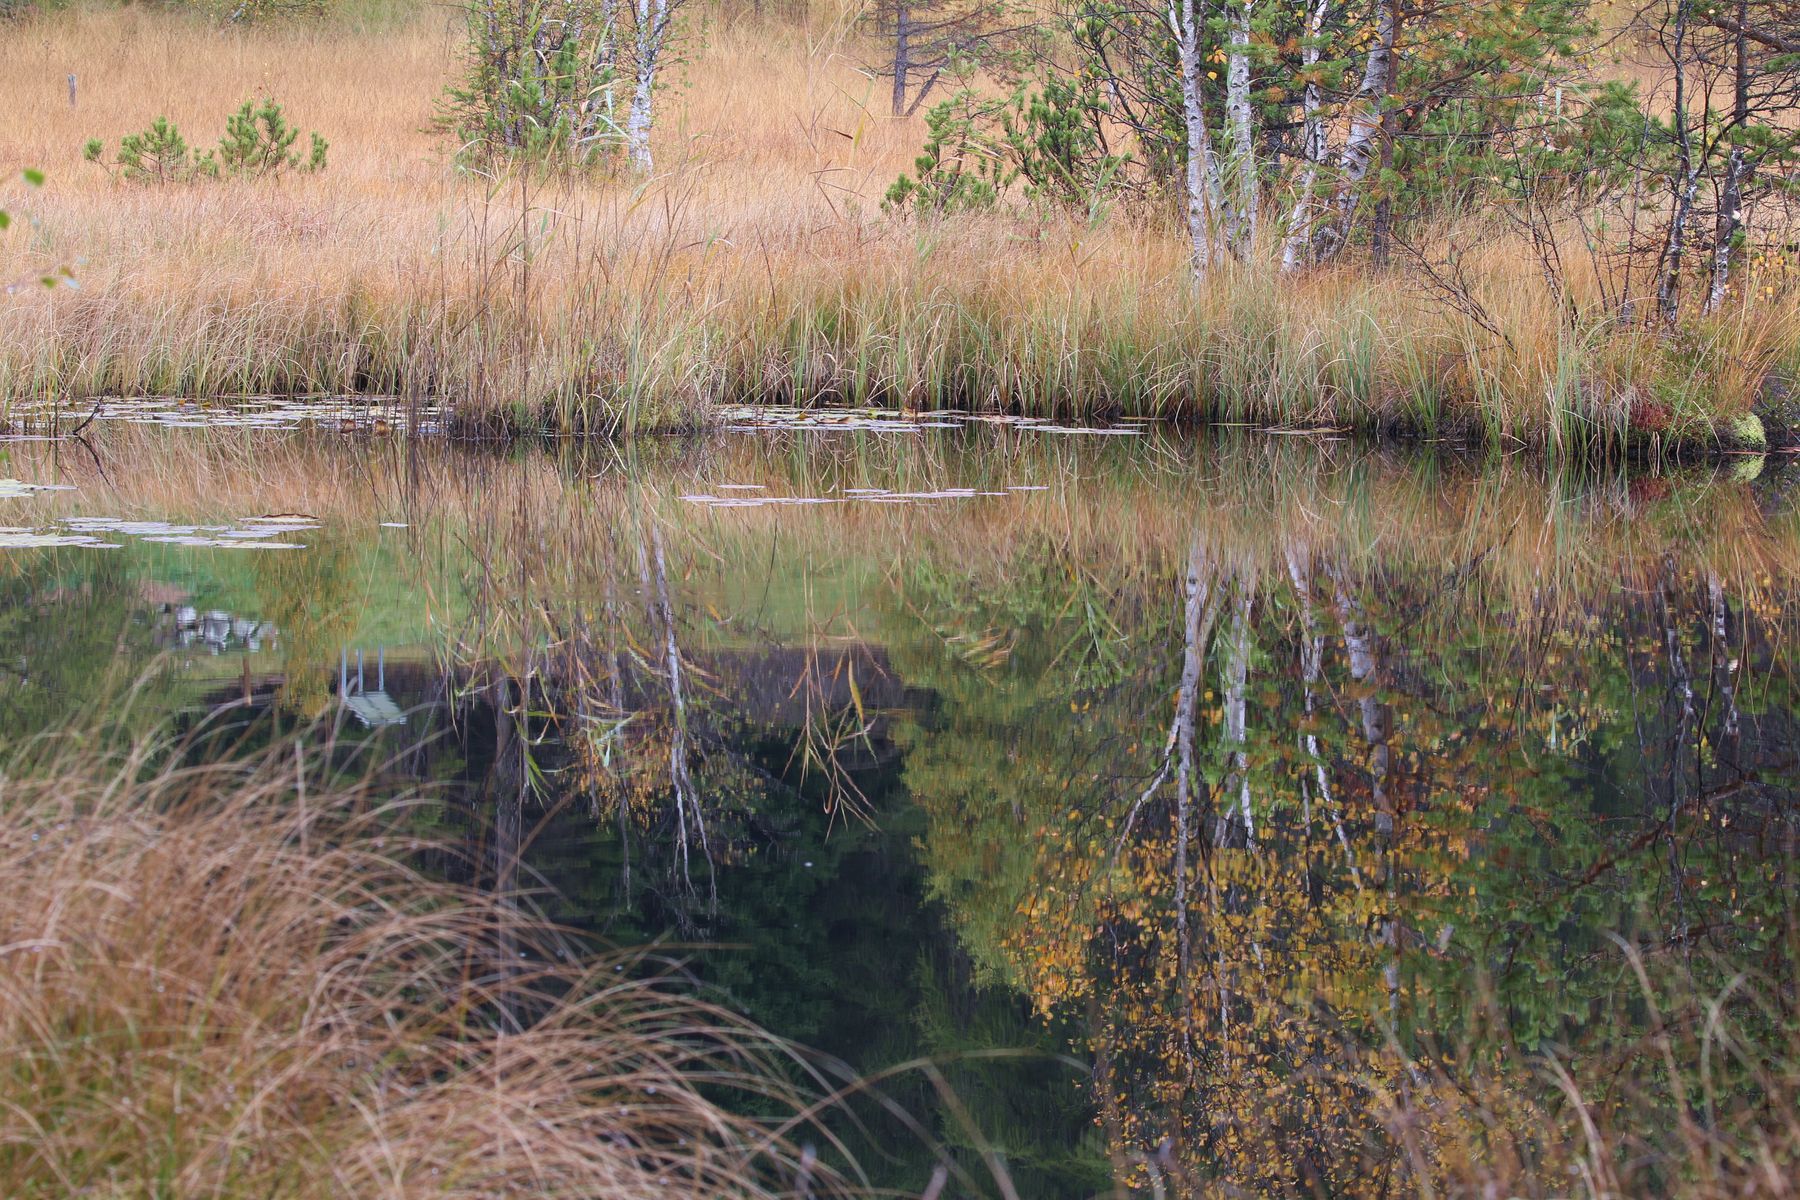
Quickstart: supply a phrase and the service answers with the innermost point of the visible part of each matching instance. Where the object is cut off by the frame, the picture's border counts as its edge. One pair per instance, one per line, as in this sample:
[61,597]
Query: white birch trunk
[1363,143]
[652,35]
[1731,203]
[1246,200]
[1312,146]
[1205,192]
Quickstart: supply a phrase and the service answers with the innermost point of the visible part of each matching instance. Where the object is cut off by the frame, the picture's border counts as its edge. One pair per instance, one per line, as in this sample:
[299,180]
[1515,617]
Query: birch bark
[652,38]
[1205,191]
[1364,141]
[1245,200]
[1312,145]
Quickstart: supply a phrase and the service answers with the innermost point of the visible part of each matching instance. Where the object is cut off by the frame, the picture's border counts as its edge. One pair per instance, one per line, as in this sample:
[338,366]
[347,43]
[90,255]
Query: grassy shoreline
[756,265]
[661,364]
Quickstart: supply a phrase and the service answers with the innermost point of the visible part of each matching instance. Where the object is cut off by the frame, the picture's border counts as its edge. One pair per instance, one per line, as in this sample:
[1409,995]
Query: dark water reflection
[1192,806]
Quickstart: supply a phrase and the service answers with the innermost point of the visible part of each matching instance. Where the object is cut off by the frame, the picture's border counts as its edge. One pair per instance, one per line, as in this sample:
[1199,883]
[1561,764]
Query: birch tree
[651,38]
[1312,142]
[1362,146]
[1749,50]
[543,75]
[1685,178]
[1240,115]
[1204,190]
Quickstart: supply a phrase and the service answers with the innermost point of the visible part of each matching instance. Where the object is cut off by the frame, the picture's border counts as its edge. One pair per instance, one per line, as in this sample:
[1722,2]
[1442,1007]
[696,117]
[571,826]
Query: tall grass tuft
[218,981]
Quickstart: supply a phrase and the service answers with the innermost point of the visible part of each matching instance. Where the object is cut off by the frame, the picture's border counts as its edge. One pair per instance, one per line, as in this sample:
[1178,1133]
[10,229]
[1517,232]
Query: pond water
[1179,800]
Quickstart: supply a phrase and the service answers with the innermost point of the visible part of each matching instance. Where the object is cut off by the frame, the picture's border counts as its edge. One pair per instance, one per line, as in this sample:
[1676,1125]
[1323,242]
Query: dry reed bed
[216,981]
[756,264]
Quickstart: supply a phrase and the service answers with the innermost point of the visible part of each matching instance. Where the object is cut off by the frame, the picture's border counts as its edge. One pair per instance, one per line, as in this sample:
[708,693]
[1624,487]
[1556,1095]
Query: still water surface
[1181,799]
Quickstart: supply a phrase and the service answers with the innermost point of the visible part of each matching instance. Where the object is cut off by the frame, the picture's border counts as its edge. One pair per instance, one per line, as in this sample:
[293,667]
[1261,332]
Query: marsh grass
[755,265]
[218,980]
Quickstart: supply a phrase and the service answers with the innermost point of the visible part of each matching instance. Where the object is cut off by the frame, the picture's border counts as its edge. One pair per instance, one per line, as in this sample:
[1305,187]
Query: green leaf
[34,177]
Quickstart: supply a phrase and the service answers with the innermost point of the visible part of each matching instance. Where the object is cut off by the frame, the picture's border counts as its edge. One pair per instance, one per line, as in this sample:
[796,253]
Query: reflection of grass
[215,982]
[755,264]
[495,531]
[1705,1105]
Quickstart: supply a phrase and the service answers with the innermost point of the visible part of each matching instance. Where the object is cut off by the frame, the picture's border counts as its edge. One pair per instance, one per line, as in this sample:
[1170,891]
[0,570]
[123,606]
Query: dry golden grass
[756,263]
[216,983]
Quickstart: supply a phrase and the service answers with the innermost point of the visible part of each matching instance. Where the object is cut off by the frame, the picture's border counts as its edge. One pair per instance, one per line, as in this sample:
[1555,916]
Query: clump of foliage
[537,88]
[258,144]
[258,141]
[964,166]
[976,148]
[156,154]
[34,179]
[1057,142]
[61,275]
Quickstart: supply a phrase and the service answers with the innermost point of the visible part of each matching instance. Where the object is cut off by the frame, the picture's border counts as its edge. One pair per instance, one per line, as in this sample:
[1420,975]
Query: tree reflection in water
[1322,823]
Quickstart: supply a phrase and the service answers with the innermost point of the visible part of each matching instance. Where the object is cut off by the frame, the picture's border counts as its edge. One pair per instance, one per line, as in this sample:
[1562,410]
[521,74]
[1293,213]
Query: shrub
[258,143]
[976,148]
[964,166]
[539,84]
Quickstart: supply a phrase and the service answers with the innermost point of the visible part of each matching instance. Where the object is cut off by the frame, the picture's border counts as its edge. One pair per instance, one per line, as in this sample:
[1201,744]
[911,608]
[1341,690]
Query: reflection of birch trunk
[1364,652]
[615,699]
[1312,669]
[1365,660]
[508,775]
[1682,684]
[1678,669]
[1196,621]
[687,802]
[1198,610]
[1237,680]
[1725,662]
